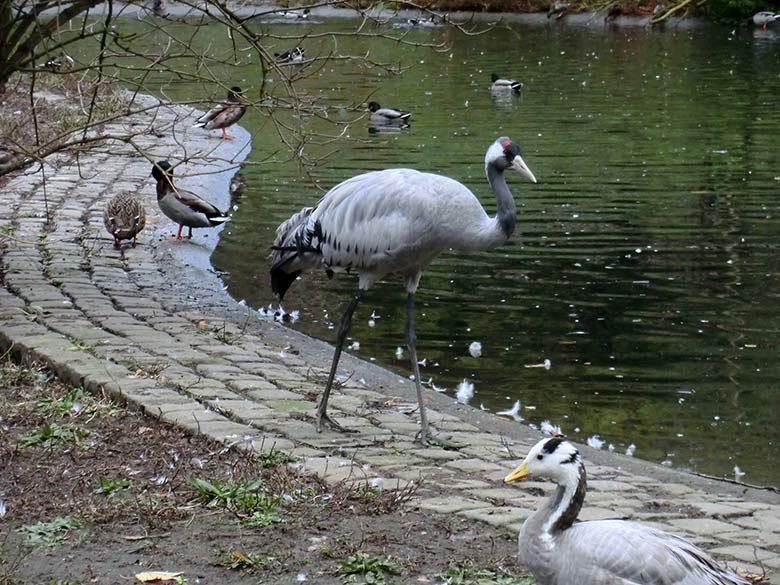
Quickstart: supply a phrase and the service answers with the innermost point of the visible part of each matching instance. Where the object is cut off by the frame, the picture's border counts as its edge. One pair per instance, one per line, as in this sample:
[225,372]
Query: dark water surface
[646,266]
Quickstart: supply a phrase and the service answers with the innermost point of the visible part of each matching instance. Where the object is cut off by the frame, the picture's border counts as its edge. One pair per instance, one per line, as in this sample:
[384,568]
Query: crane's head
[505,154]
[553,458]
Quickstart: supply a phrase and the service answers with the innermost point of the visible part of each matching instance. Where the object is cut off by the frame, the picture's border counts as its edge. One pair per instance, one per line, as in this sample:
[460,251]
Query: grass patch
[470,574]
[239,560]
[244,498]
[52,533]
[52,435]
[109,485]
[274,458]
[372,568]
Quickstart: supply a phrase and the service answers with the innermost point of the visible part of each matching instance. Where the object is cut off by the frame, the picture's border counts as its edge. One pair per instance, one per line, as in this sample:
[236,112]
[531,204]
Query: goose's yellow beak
[519,473]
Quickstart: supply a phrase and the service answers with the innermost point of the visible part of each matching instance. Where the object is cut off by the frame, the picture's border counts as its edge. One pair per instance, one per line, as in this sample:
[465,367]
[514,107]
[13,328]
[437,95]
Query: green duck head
[235,94]
[162,170]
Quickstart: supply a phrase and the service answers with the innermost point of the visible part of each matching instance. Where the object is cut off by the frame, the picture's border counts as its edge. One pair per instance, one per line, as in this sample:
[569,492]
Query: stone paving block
[449,504]
[243,383]
[702,525]
[331,469]
[720,510]
[749,554]
[498,516]
[276,394]
[476,466]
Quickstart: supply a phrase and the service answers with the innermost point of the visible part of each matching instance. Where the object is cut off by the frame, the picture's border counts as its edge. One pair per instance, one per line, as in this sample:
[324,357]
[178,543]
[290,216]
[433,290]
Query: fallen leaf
[151,576]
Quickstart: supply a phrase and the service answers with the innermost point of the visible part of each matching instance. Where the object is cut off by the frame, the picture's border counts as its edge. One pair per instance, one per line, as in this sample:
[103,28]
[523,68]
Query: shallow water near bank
[644,267]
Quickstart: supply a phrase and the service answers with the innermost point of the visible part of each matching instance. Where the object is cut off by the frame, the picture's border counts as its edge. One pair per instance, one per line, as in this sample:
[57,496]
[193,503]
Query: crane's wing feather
[628,553]
[380,222]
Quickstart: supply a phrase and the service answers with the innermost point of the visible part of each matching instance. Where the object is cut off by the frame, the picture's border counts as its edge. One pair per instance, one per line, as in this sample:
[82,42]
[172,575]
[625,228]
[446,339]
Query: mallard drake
[504,84]
[380,115]
[597,552]
[124,217]
[299,14]
[764,18]
[62,63]
[224,114]
[183,207]
[294,55]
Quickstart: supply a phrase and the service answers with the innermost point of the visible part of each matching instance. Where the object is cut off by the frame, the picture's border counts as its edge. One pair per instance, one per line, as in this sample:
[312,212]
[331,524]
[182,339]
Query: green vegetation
[52,533]
[371,568]
[52,435]
[246,499]
[242,561]
[109,485]
[470,574]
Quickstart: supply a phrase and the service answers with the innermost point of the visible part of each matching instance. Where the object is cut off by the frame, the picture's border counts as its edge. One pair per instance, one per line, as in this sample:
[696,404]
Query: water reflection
[646,267]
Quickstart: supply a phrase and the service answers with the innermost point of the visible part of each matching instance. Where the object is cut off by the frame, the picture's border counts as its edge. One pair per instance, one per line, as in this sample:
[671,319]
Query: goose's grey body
[558,551]
[182,206]
[393,221]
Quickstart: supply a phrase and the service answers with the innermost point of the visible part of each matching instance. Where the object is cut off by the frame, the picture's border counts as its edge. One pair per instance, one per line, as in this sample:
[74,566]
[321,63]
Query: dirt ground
[91,492]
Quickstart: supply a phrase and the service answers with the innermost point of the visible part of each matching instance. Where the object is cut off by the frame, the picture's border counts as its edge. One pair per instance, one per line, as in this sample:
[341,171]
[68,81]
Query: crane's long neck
[506,214]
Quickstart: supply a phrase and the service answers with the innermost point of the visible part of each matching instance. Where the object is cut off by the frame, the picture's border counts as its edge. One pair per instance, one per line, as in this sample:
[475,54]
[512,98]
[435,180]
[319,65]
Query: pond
[646,266]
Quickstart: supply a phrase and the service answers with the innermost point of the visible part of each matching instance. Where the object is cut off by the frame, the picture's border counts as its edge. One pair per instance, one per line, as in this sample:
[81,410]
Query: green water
[646,263]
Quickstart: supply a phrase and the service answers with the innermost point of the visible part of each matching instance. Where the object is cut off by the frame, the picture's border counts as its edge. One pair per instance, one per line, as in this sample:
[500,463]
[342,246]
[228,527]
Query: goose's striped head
[554,459]
[504,154]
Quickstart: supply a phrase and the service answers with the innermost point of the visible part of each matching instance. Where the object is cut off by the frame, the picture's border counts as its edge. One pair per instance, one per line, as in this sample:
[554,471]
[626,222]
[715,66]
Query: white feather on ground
[464,392]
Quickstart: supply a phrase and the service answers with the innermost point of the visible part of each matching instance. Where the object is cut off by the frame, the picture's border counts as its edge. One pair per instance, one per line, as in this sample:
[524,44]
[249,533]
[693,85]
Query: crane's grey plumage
[393,221]
[600,552]
[183,207]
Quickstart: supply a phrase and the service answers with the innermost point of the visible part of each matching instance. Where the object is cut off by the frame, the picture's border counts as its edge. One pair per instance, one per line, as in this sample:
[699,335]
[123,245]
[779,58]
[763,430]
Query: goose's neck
[560,511]
[506,214]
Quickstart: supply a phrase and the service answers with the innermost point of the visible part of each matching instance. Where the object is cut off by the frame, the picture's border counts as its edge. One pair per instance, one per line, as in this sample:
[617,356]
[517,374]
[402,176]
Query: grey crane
[619,552]
[394,221]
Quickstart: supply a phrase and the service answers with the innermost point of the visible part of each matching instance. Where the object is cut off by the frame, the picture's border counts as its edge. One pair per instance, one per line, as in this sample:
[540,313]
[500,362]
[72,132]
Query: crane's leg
[344,325]
[411,339]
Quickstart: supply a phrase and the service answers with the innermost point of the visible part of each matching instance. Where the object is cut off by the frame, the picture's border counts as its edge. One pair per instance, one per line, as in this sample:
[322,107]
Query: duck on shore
[124,216]
[224,114]
[184,207]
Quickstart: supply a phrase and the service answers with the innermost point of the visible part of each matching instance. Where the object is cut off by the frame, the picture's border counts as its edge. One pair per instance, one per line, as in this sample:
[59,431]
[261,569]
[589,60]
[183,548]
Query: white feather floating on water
[513,413]
[464,392]
[630,450]
[738,473]
[596,442]
[475,349]
[399,352]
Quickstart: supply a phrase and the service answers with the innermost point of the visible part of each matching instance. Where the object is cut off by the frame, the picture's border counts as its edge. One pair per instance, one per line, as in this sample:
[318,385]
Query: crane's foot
[323,417]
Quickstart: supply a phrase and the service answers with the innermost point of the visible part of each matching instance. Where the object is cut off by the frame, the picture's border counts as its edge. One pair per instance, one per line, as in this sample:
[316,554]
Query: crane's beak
[522,471]
[519,165]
